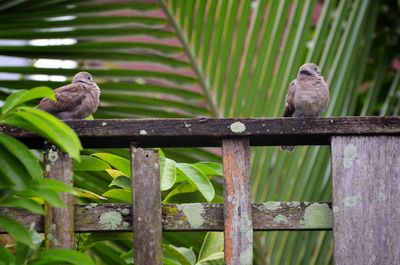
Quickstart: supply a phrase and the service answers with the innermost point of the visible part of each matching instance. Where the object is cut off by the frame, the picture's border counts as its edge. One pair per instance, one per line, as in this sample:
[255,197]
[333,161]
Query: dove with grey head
[308,95]
[77,100]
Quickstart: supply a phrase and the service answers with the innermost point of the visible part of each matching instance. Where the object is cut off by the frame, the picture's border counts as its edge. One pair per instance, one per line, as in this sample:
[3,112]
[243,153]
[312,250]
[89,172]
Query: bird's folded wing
[68,97]
[289,106]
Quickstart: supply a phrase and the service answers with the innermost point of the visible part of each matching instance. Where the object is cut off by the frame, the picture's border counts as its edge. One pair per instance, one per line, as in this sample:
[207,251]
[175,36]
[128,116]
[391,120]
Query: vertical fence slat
[146,206]
[366,192]
[237,202]
[59,222]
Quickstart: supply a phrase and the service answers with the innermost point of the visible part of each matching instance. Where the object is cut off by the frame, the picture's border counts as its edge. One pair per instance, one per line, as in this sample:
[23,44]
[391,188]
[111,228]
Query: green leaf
[197,179]
[181,188]
[52,184]
[23,252]
[90,163]
[212,247]
[49,196]
[121,195]
[218,256]
[210,168]
[184,255]
[57,256]
[94,238]
[116,162]
[23,96]
[82,193]
[122,182]
[6,257]
[167,173]
[115,173]
[25,203]
[16,230]
[23,154]
[128,257]
[12,173]
[48,126]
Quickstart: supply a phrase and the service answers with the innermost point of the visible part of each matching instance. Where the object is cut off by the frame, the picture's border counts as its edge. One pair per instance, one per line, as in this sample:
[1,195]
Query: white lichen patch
[281,219]
[194,214]
[272,206]
[104,123]
[91,205]
[352,201]
[335,209]
[293,204]
[156,166]
[349,154]
[125,224]
[381,197]
[125,211]
[245,227]
[36,237]
[318,215]
[53,156]
[142,132]
[110,220]
[49,236]
[47,168]
[237,127]
[246,257]
[187,125]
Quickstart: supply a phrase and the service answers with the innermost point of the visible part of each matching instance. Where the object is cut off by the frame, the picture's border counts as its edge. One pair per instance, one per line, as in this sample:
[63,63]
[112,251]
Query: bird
[77,100]
[308,95]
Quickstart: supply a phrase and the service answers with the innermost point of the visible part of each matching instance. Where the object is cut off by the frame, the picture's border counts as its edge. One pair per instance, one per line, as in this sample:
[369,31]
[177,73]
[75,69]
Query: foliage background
[225,58]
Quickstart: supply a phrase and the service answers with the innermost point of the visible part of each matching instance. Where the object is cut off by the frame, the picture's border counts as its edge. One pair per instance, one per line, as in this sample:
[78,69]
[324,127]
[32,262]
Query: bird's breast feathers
[311,98]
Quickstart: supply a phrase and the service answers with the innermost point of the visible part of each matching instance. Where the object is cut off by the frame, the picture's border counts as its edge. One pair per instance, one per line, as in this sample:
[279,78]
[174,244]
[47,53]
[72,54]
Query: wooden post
[366,193]
[146,206]
[59,222]
[237,202]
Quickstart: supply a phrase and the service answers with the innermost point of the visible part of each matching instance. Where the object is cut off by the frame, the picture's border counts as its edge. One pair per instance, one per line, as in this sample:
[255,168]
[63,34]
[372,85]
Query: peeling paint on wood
[365,196]
[238,236]
[87,217]
[146,206]
[59,222]
[196,132]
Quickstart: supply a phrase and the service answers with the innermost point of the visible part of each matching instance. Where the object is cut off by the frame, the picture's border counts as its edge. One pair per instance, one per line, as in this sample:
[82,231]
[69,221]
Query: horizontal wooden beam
[205,132]
[94,217]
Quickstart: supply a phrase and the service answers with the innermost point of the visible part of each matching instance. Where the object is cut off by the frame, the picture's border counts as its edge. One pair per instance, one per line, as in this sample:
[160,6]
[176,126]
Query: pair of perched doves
[77,100]
[308,95]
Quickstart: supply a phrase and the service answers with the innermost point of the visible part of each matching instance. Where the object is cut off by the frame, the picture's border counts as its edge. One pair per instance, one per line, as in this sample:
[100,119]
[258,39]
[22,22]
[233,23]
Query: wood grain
[238,231]
[269,216]
[366,193]
[146,206]
[59,222]
[197,132]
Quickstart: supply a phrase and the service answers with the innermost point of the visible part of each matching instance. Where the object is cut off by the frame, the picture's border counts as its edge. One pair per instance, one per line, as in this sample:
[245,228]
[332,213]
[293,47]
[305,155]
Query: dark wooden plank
[197,132]
[59,222]
[269,216]
[366,193]
[238,231]
[146,206]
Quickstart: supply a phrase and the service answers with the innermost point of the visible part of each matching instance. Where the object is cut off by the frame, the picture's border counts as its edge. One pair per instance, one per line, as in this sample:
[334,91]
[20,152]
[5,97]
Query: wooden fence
[366,185]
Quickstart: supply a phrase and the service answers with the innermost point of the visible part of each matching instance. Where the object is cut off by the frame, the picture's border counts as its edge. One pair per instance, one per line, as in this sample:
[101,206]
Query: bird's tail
[288,148]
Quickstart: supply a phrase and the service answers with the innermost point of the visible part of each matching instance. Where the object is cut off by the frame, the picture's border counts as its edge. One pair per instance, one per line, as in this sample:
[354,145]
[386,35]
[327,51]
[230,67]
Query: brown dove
[308,95]
[74,101]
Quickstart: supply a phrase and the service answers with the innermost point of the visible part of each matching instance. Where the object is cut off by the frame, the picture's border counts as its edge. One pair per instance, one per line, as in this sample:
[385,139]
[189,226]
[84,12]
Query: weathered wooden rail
[365,168]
